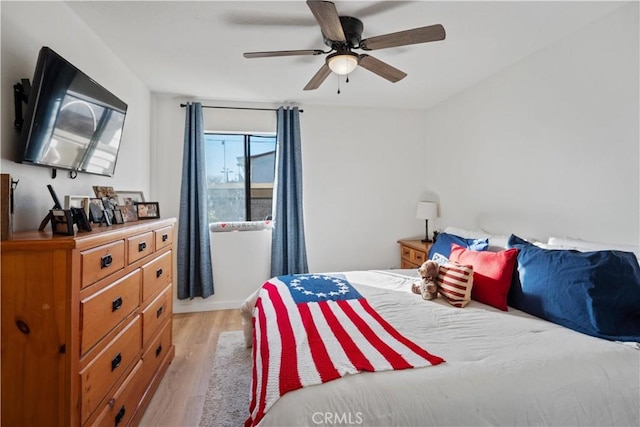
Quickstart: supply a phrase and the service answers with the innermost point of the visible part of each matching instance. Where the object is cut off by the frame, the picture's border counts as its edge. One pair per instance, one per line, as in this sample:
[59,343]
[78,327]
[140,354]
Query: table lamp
[427,211]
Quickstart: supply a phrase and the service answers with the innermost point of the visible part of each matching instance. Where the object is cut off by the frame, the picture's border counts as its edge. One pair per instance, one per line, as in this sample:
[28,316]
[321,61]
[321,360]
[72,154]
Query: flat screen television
[71,121]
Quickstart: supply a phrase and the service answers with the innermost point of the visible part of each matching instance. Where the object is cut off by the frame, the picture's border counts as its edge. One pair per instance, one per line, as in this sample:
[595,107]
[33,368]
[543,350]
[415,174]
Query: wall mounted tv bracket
[20,94]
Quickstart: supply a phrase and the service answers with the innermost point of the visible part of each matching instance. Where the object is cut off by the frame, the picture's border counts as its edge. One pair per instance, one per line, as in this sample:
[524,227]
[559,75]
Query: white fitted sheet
[502,368]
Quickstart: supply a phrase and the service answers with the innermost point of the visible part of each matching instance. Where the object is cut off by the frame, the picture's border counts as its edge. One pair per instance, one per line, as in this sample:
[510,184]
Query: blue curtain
[195,276]
[288,249]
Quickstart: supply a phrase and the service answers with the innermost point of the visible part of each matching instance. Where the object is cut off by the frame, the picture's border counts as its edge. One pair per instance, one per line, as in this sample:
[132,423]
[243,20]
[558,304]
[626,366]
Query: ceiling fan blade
[283,53]
[378,7]
[430,33]
[319,77]
[380,68]
[327,16]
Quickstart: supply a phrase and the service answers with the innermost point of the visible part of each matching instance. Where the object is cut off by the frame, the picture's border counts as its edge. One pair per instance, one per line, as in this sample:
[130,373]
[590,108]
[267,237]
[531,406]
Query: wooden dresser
[413,252]
[86,324]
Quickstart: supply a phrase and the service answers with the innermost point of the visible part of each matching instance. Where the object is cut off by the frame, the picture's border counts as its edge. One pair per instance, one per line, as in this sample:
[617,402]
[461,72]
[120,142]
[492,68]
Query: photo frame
[102,191]
[148,210]
[77,202]
[109,203]
[96,209]
[107,217]
[129,197]
[117,217]
[62,222]
[80,219]
[129,213]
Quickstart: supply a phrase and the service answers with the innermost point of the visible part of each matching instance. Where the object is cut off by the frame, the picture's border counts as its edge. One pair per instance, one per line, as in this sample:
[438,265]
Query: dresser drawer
[155,352]
[155,314]
[103,310]
[100,262]
[119,409]
[140,246]
[164,237]
[156,275]
[108,366]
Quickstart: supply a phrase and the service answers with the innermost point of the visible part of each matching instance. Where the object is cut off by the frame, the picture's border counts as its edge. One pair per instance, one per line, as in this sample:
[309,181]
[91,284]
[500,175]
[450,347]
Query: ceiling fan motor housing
[352,28]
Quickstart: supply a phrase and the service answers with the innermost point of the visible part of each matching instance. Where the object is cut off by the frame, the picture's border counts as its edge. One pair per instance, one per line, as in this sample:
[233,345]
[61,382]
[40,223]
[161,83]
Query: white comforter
[501,368]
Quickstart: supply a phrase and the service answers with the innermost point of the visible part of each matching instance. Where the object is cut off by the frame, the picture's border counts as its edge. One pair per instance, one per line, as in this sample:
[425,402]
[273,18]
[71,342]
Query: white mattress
[501,368]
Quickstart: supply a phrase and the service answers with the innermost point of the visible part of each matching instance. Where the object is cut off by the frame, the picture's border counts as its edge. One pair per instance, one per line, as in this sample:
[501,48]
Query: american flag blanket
[310,329]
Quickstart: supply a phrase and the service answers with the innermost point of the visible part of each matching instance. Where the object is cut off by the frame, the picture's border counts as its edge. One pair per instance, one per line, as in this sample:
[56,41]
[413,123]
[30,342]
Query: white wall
[364,173]
[26,27]
[549,146]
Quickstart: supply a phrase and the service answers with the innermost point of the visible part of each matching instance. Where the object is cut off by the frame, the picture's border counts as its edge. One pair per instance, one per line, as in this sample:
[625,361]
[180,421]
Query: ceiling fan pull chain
[338,85]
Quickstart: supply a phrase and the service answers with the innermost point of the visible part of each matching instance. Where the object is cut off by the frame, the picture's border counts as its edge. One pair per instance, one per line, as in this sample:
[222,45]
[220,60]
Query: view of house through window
[240,173]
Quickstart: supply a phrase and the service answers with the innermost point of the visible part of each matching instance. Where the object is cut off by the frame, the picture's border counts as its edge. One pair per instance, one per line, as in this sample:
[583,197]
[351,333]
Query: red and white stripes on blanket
[310,329]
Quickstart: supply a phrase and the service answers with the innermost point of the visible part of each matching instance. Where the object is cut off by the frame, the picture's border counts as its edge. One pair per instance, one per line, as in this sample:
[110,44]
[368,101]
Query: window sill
[218,227]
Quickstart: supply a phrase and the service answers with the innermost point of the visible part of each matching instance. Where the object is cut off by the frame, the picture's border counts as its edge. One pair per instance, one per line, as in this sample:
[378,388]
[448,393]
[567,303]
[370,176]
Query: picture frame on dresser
[148,210]
[96,210]
[129,197]
[77,202]
[129,213]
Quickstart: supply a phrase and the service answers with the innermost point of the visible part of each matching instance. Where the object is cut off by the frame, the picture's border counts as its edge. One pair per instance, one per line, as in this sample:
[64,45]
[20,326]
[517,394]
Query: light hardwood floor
[179,399]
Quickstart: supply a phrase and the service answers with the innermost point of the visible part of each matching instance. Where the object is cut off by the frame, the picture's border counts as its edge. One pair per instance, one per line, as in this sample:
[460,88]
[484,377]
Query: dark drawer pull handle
[165,237]
[142,246]
[116,304]
[106,261]
[159,350]
[158,273]
[116,361]
[159,311]
[120,415]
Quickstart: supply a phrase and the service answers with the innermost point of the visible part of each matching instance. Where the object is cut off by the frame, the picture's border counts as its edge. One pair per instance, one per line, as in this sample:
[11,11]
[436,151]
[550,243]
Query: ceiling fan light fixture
[342,63]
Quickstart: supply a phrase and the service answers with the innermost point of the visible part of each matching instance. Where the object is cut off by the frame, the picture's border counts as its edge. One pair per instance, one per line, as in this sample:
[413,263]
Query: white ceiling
[195,48]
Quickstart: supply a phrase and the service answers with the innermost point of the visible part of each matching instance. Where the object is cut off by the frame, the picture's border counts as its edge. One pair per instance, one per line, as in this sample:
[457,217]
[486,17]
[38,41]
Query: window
[240,174]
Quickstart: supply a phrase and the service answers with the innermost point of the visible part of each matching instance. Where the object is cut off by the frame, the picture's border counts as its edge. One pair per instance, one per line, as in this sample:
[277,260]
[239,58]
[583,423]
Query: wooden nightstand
[413,252]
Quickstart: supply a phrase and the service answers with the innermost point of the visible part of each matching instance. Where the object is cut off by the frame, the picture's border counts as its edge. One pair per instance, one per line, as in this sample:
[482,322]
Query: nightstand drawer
[413,252]
[412,255]
[407,265]
[418,257]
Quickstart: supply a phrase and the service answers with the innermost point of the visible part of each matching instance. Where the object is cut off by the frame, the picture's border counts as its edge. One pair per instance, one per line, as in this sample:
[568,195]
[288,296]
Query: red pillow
[492,273]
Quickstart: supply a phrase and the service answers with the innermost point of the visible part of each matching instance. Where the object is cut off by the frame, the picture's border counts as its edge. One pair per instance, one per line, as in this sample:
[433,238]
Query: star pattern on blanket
[320,287]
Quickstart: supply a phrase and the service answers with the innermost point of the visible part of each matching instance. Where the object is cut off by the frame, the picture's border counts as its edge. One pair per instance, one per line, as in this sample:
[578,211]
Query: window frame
[247,165]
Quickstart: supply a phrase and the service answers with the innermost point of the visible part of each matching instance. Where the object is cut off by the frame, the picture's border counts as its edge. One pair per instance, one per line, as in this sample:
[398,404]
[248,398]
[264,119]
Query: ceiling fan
[343,34]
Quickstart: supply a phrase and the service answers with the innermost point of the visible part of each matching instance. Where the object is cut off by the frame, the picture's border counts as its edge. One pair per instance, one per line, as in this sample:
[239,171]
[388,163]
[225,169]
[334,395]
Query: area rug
[227,399]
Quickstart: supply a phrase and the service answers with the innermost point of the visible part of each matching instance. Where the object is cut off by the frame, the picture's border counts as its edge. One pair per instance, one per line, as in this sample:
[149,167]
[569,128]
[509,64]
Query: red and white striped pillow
[455,282]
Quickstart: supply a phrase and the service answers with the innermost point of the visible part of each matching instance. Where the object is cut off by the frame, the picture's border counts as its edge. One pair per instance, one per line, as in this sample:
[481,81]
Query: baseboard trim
[188,307]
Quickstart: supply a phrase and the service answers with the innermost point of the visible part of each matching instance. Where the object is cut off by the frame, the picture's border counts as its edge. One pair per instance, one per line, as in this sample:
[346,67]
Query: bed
[504,368]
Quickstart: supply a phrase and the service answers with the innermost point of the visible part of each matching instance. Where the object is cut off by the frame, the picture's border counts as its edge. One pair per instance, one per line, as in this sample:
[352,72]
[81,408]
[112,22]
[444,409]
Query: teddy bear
[427,286]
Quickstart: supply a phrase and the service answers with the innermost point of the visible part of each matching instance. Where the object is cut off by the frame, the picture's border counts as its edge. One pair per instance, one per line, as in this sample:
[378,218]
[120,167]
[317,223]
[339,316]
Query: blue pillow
[441,248]
[596,293]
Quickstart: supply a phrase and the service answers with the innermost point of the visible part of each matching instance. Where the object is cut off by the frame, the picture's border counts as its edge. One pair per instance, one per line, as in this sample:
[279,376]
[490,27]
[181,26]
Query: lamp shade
[427,210]
[342,63]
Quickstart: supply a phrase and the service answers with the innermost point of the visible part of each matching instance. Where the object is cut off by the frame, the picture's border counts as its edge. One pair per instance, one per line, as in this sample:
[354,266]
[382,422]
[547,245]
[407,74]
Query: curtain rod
[238,108]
